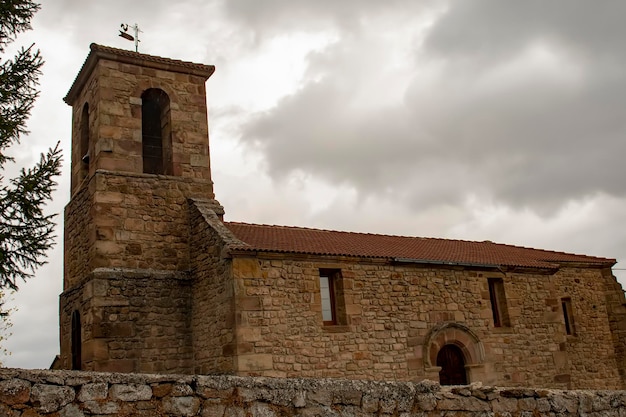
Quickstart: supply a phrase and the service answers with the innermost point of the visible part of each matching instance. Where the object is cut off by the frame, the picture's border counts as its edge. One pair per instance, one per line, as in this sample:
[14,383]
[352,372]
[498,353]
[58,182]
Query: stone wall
[132,321]
[213,307]
[123,220]
[28,393]
[616,309]
[399,316]
[592,328]
[142,221]
[79,236]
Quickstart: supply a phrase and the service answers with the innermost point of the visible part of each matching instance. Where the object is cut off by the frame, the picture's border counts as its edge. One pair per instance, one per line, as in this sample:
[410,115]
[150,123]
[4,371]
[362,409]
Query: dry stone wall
[32,393]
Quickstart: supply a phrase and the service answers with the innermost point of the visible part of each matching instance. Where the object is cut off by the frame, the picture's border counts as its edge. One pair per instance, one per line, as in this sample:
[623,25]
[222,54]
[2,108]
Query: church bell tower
[140,151]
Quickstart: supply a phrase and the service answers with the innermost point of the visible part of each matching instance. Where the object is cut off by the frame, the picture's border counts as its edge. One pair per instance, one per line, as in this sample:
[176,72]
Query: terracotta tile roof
[257,237]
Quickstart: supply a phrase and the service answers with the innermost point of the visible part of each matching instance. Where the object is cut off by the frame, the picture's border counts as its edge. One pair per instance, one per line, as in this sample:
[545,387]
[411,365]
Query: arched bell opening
[156,132]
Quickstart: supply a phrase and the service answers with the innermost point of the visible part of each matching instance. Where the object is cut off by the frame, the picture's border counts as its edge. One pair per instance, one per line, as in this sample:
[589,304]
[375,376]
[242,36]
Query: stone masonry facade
[392,317]
[156,282]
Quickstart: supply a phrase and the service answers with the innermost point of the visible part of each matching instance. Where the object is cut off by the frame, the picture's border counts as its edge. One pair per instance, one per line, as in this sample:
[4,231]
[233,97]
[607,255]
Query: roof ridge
[325,230]
[157,58]
[547,252]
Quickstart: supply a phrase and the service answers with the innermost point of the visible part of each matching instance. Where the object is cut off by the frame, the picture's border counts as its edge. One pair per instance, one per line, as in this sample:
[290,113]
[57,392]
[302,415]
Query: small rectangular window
[568,316]
[498,303]
[331,295]
[328,299]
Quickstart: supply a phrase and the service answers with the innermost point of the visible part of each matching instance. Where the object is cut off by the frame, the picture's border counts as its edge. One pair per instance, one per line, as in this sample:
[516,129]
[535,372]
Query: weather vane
[124,34]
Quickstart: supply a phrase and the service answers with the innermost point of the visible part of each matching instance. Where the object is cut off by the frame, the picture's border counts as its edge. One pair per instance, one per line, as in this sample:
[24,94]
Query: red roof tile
[286,239]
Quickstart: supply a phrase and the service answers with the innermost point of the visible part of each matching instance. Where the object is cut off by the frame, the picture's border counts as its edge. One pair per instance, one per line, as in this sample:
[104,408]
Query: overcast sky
[472,119]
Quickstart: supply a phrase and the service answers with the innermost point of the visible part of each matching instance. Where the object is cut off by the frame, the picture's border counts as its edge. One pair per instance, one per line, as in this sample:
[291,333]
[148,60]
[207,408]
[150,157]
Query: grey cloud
[273,16]
[534,138]
[85,22]
[494,29]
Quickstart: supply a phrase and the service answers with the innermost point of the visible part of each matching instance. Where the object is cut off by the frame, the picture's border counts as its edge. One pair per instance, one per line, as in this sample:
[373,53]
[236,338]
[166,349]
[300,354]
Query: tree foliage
[26,232]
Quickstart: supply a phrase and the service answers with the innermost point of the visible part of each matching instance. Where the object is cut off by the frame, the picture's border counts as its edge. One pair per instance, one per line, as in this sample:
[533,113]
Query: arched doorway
[450,359]
[464,342]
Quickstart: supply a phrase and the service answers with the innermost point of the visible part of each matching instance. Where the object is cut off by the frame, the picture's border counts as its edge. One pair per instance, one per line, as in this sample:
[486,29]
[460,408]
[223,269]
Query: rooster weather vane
[124,34]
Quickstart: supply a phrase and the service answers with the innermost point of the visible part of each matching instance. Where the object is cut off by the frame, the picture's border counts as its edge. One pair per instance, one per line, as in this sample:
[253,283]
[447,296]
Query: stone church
[156,281]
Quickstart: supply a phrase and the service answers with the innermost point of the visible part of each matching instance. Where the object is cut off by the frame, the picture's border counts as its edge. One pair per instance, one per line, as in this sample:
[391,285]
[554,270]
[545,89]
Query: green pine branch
[26,231]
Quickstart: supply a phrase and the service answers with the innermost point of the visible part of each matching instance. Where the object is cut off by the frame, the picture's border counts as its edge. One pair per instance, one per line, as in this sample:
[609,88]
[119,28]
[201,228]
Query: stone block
[115,365]
[94,350]
[246,268]
[504,405]
[108,197]
[562,403]
[51,398]
[249,303]
[102,407]
[130,392]
[249,334]
[560,360]
[104,145]
[111,132]
[71,410]
[161,390]
[322,397]
[415,364]
[14,391]
[199,160]
[425,402]
[95,391]
[106,249]
[262,410]
[234,411]
[213,393]
[255,362]
[181,406]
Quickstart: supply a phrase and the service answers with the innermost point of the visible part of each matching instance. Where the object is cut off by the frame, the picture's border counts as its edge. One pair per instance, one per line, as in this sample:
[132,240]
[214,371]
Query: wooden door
[452,363]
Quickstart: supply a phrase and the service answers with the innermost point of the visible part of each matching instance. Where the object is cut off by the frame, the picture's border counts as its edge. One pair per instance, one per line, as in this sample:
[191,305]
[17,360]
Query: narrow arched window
[76,341]
[156,132]
[84,136]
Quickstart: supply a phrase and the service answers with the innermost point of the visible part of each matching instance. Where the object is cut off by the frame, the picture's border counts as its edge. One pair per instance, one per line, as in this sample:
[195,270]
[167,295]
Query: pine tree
[26,232]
